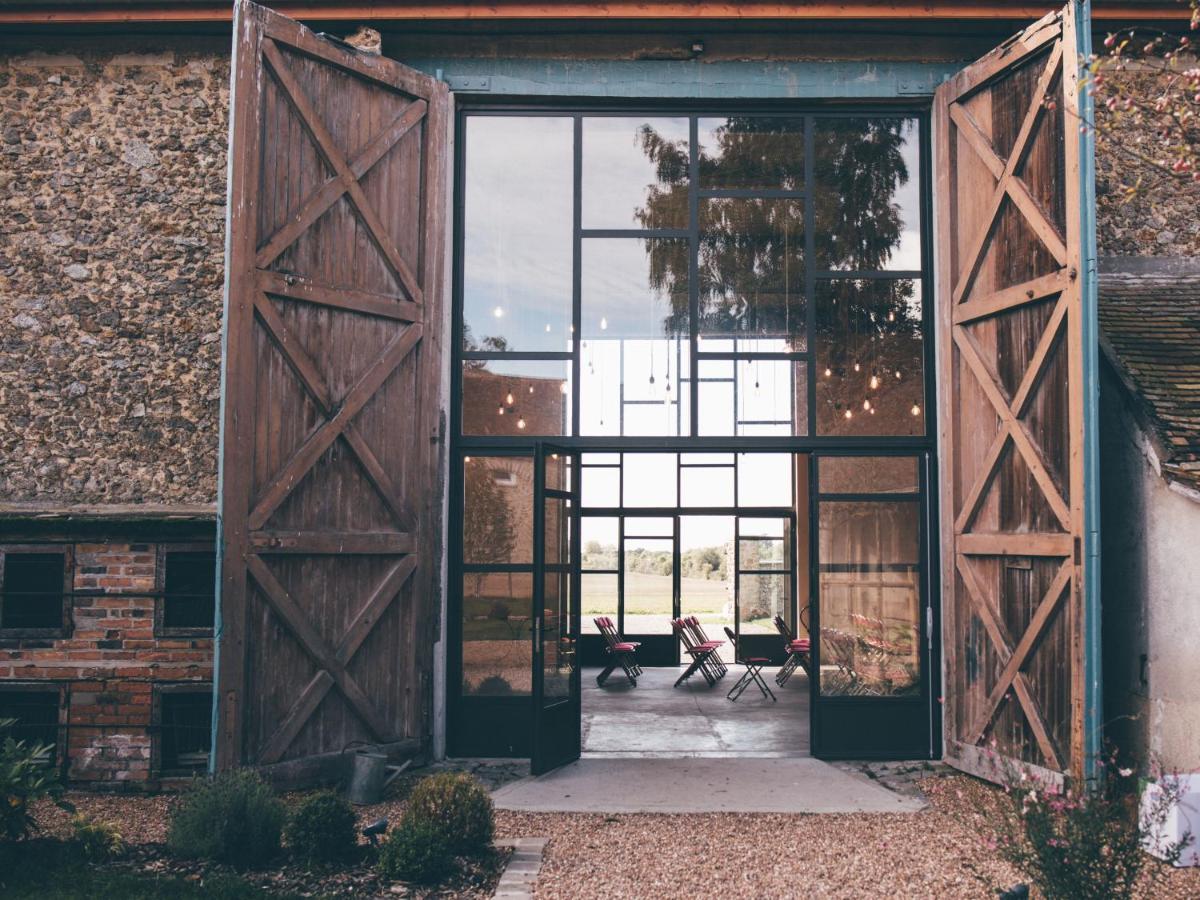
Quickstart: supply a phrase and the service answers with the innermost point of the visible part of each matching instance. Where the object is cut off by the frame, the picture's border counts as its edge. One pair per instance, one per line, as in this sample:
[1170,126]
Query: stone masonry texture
[112,192]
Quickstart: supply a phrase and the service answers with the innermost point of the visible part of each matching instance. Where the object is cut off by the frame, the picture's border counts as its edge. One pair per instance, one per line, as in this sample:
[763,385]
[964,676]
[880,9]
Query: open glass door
[556,684]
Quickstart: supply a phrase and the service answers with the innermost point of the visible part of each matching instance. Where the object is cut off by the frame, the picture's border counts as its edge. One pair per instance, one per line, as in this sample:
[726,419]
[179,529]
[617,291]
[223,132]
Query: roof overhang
[156,12]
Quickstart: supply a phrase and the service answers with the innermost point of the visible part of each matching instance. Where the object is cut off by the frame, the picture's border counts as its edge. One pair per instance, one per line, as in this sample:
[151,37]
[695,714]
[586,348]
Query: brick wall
[109,664]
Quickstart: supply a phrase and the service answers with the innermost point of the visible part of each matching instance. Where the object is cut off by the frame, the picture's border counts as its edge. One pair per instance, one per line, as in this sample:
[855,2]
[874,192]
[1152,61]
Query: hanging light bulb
[828,371]
[857,367]
[603,323]
[498,312]
[563,387]
[547,328]
[897,374]
[466,459]
[500,410]
[872,410]
[866,404]
[849,414]
[531,389]
[509,399]
[891,315]
[916,410]
[874,382]
[520,423]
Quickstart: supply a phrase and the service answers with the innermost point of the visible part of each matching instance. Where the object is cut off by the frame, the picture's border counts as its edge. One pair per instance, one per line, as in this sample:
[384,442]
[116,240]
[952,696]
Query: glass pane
[706,486]
[599,536]
[516,397]
[706,573]
[649,585]
[870,598]
[635,172]
[751,270]
[558,648]
[760,599]
[497,658]
[497,501]
[518,226]
[649,526]
[765,479]
[868,475]
[634,336]
[870,372]
[558,531]
[752,152]
[559,471]
[601,486]
[754,397]
[599,599]
[649,479]
[867,194]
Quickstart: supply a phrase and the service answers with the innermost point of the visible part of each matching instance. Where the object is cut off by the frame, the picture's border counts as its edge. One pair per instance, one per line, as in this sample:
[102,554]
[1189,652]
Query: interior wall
[1149,571]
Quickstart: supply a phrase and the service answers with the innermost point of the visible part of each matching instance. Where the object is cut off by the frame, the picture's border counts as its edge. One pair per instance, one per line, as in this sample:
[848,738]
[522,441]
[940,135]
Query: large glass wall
[700,303]
[707,276]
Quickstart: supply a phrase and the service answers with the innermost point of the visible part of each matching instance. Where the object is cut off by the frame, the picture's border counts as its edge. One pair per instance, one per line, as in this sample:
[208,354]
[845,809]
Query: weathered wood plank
[1014,544]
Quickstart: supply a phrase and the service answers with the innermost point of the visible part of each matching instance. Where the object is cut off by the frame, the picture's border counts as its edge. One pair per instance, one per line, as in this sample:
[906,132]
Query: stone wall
[112,193]
[109,663]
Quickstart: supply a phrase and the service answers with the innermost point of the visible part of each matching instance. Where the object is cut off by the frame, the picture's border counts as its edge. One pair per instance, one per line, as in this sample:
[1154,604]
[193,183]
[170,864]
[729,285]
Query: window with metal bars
[33,714]
[189,589]
[185,729]
[32,589]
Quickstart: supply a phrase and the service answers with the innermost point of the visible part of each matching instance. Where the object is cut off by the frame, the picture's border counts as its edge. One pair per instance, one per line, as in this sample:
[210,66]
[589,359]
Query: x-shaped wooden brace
[1013,658]
[338,417]
[331,662]
[1008,183]
[1011,426]
[344,181]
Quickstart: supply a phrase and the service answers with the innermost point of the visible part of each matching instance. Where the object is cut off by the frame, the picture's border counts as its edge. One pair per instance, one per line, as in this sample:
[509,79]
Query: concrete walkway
[640,785]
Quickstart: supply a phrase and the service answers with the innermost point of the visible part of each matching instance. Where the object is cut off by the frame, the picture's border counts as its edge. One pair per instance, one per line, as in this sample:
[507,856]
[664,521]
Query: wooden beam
[1017,295]
[1007,544]
[333,543]
[915,11]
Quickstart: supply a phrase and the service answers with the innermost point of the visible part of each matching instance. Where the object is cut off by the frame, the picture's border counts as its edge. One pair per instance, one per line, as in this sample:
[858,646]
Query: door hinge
[929,627]
[473,83]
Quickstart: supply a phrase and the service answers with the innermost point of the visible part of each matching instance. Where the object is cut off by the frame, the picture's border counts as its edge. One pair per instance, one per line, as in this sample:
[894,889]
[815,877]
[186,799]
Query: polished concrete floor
[655,719]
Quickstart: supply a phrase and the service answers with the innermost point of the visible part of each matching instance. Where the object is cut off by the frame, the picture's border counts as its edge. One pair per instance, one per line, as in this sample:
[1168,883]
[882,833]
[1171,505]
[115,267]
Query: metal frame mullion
[577,277]
[810,281]
[694,269]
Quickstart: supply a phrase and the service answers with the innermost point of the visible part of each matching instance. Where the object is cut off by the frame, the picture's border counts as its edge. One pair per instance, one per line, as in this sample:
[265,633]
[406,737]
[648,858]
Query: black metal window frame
[161,692]
[51,689]
[161,599]
[921,446]
[67,552]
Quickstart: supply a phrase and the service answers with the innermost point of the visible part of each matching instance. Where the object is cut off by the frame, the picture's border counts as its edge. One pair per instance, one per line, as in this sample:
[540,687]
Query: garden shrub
[233,818]
[457,806]
[493,685]
[98,841]
[416,851]
[322,829]
[25,776]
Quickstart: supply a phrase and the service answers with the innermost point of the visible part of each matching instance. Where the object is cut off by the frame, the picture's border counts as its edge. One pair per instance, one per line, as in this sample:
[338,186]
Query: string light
[500,410]
[466,459]
[509,399]
[520,423]
[849,414]
[563,387]
[603,323]
[897,374]
[866,404]
[916,410]
[857,367]
[874,382]
[531,389]
[498,312]
[828,371]
[547,328]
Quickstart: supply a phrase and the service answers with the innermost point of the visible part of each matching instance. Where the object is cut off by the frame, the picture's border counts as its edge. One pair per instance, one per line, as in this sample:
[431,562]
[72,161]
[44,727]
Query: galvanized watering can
[370,774]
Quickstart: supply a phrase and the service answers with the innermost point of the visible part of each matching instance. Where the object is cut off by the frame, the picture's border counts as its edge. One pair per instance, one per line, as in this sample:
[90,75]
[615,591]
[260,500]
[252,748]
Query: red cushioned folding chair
[620,652]
[799,651]
[701,655]
[753,673]
[697,631]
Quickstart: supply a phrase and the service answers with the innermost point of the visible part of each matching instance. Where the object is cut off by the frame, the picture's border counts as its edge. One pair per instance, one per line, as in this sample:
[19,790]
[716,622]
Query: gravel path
[939,852]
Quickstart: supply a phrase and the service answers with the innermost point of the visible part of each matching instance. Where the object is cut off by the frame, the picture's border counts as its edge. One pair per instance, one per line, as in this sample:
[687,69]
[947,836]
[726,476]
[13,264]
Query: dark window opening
[35,718]
[33,590]
[189,589]
[186,730]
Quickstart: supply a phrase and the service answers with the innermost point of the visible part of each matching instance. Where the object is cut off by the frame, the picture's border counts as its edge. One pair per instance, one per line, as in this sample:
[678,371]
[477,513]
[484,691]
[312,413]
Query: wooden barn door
[1013,427]
[329,502]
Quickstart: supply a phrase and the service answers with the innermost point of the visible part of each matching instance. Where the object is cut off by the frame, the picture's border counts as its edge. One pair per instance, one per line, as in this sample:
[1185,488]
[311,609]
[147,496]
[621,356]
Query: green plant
[494,684]
[322,829]
[233,818]
[416,851]
[99,841]
[1079,845]
[25,776]
[457,806]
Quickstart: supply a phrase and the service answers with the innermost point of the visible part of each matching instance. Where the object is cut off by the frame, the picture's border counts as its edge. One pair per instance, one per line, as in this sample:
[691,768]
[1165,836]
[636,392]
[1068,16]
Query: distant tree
[487,519]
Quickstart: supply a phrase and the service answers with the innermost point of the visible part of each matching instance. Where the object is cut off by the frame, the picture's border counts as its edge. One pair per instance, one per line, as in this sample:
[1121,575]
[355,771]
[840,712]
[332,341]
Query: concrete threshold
[798,785]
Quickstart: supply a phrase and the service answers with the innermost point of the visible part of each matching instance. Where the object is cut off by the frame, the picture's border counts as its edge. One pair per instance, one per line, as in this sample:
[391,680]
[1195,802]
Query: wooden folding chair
[799,651]
[701,655]
[620,652]
[753,673]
